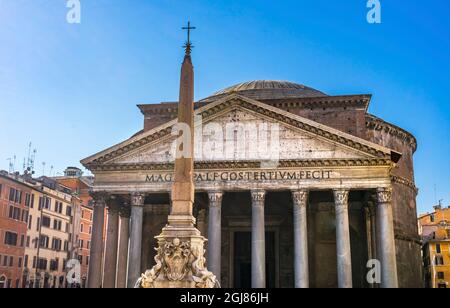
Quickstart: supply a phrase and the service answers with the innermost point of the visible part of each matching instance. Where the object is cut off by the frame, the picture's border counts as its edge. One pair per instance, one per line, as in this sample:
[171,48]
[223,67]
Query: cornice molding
[244,165]
[377,124]
[404,181]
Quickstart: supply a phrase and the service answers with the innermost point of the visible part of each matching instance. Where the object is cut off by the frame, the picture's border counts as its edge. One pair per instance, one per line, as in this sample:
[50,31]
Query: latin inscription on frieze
[246,176]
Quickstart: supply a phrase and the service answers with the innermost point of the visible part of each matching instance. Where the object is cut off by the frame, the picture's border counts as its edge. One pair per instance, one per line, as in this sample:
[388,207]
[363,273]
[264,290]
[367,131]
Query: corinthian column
[215,233]
[386,239]
[96,249]
[344,257]
[134,259]
[258,240]
[112,238]
[300,199]
[124,236]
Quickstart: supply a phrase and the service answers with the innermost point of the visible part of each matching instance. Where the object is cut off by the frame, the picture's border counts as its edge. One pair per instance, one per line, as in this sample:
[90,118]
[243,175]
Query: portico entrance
[242,259]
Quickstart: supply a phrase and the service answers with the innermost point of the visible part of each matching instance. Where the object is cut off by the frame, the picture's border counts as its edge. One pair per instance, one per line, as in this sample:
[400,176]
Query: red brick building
[15,199]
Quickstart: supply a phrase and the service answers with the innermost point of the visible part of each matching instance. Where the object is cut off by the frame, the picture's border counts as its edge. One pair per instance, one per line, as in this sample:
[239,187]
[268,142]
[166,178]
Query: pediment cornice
[371,150]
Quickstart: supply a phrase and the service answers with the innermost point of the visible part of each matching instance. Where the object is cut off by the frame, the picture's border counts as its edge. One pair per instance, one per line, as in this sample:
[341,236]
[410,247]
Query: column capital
[99,198]
[341,197]
[215,198]
[137,199]
[125,211]
[258,197]
[114,205]
[300,197]
[384,195]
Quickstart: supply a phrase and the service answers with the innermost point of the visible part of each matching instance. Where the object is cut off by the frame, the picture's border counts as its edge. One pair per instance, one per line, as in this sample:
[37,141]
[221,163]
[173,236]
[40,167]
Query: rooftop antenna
[435,193]
[11,168]
[51,170]
[43,168]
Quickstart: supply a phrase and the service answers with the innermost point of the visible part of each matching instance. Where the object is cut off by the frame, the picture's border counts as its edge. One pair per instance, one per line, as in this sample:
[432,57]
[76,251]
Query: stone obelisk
[180,261]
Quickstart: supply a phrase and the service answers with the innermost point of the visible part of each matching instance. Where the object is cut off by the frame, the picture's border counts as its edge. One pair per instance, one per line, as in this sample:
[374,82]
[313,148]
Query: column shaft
[386,239]
[258,240]
[112,238]
[215,233]
[344,257]
[134,258]
[122,262]
[301,266]
[96,249]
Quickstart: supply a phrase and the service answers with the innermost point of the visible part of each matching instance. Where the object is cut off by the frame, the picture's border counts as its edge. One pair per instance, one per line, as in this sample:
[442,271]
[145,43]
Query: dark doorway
[243,260]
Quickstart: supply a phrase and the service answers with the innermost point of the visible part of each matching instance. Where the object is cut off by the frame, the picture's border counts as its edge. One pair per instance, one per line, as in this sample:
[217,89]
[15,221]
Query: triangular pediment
[236,128]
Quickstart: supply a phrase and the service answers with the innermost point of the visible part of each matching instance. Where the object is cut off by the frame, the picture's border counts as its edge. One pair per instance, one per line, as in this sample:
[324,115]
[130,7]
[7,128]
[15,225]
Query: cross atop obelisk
[183,187]
[188,46]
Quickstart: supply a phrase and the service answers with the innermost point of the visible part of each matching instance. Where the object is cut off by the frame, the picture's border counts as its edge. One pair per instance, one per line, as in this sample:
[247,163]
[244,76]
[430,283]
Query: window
[18,198]
[24,216]
[90,229]
[43,242]
[1,187]
[10,238]
[30,221]
[66,246]
[54,264]
[25,262]
[38,224]
[17,213]
[34,262]
[46,221]
[48,203]
[42,264]
[12,194]
[28,241]
[438,248]
[87,260]
[19,265]
[56,244]
[81,244]
[68,211]
[22,240]
[32,201]
[11,261]
[80,258]
[5,260]
[57,224]
[27,200]
[441,275]
[14,213]
[88,245]
[81,228]
[432,217]
[439,260]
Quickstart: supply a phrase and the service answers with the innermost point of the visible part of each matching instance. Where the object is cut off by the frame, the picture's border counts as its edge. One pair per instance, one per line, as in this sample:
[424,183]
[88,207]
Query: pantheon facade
[338,194]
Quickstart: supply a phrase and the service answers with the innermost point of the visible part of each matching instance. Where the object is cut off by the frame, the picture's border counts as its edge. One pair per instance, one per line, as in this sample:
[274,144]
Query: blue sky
[71,89]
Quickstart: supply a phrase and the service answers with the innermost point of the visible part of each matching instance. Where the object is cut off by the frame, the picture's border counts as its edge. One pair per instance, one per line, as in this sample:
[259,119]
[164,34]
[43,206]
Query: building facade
[50,233]
[435,230]
[15,200]
[338,192]
[80,185]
